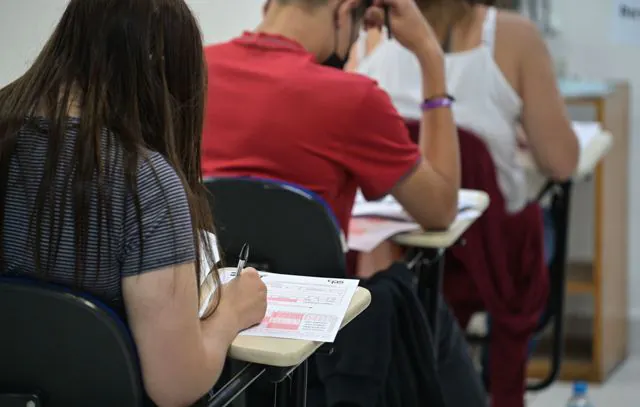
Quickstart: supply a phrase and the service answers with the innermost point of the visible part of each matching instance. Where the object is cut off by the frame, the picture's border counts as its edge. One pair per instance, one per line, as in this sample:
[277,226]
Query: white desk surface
[590,156]
[447,238]
[290,352]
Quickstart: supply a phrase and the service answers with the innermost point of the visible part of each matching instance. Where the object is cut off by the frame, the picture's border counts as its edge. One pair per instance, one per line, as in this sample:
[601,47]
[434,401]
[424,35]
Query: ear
[345,10]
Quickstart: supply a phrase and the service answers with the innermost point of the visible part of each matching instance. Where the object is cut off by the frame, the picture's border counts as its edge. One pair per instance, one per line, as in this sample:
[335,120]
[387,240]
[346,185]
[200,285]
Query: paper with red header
[299,307]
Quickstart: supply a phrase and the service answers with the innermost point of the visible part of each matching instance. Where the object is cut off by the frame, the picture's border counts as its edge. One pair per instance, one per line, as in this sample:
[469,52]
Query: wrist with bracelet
[437,102]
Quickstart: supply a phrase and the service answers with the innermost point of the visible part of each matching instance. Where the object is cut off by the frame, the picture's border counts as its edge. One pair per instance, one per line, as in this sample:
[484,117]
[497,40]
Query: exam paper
[389,208]
[299,307]
[365,234]
[586,132]
[374,222]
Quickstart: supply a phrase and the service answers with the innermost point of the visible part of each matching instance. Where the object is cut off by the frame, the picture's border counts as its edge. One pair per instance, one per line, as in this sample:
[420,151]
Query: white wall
[224,19]
[26,24]
[586,42]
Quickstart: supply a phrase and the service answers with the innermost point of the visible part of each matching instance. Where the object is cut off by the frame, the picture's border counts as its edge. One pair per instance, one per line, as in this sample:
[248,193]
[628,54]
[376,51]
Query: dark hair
[442,14]
[135,68]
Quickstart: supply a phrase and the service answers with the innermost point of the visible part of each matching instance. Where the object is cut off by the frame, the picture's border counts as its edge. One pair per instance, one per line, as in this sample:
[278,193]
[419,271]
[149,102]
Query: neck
[444,17]
[308,27]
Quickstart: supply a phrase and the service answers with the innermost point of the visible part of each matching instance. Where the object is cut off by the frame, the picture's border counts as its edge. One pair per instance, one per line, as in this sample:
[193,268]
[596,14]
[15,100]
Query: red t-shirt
[274,112]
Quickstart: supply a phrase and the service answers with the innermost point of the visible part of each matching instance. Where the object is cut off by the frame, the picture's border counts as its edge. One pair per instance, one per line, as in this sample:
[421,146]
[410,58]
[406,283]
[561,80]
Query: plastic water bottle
[579,398]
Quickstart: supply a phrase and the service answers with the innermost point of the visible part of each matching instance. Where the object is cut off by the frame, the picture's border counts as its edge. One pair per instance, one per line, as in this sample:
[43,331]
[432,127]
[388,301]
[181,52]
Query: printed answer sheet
[375,222]
[309,308]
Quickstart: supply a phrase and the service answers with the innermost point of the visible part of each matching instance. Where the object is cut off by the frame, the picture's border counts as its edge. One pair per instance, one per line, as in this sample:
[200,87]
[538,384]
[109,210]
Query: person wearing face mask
[278,108]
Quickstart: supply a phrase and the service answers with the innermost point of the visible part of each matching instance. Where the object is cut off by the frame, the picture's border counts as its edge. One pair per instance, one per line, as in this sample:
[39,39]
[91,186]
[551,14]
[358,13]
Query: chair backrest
[290,230]
[64,348]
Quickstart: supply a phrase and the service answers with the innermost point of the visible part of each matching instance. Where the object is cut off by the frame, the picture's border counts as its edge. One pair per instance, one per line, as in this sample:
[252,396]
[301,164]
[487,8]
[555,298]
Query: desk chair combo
[525,278]
[553,318]
[290,230]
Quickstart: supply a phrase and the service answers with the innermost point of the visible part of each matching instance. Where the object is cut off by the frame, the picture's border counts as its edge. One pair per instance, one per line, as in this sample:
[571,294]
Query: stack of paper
[389,208]
[586,132]
[375,222]
[365,234]
[309,308]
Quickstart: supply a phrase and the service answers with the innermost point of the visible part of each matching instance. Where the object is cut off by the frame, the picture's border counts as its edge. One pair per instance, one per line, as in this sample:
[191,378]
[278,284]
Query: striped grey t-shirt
[114,248]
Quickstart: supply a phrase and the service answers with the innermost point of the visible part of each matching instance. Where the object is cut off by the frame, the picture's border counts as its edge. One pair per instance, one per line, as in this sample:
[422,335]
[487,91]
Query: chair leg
[236,386]
[282,398]
[559,281]
[429,290]
[300,385]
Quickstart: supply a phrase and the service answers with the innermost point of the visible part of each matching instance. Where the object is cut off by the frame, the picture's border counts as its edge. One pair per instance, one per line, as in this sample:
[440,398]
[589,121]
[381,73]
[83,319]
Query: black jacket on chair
[384,358]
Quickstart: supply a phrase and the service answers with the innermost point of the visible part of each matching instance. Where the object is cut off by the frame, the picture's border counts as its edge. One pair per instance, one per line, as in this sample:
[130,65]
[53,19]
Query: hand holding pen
[242,259]
[405,21]
[245,296]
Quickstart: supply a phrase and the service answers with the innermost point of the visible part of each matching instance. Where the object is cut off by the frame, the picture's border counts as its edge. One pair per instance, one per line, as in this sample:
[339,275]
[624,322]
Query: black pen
[387,21]
[242,261]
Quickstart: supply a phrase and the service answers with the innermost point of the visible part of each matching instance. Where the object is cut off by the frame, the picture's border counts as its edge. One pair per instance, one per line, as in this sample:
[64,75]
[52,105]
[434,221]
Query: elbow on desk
[560,161]
[441,216]
[565,168]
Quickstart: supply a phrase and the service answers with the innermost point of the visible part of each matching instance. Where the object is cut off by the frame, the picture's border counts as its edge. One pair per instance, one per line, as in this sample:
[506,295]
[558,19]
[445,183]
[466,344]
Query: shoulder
[218,50]
[352,84]
[351,92]
[158,183]
[517,27]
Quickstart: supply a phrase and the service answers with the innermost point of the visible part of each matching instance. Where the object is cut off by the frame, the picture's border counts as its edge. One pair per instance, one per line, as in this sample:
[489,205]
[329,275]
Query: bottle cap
[580,388]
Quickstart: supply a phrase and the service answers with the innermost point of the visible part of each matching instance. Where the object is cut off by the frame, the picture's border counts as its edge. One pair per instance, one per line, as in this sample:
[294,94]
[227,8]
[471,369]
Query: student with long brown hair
[100,184]
[501,74]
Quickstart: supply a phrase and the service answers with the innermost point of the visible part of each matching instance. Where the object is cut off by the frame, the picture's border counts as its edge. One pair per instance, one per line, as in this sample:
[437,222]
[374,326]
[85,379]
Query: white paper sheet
[389,208]
[308,308]
[365,234]
[205,266]
[586,132]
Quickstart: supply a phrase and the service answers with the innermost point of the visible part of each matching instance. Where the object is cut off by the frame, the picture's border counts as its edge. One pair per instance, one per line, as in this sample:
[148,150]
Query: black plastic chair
[290,230]
[60,348]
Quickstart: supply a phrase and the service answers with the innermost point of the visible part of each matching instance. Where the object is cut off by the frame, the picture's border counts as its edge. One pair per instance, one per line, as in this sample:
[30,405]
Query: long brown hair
[443,14]
[133,67]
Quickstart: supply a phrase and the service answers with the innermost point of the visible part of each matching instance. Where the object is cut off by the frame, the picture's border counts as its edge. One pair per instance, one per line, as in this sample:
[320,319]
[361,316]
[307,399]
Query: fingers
[374,17]
[390,3]
[250,270]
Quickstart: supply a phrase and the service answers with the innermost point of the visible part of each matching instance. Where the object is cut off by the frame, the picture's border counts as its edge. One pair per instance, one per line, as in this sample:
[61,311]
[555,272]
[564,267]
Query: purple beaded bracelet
[437,102]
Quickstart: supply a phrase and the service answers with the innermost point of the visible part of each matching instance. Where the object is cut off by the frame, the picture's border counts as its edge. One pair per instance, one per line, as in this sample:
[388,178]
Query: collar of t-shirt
[271,41]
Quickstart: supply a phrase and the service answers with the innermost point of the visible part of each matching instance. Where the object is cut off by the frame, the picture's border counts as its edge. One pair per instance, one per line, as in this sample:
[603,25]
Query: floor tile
[621,390]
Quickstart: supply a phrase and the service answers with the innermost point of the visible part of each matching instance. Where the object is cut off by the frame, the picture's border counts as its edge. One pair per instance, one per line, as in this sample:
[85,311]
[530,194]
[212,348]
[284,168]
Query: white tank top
[486,104]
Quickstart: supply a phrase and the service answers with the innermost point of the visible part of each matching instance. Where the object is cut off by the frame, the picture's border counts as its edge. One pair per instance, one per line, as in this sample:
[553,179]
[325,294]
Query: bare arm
[545,120]
[430,194]
[181,356]
[178,364]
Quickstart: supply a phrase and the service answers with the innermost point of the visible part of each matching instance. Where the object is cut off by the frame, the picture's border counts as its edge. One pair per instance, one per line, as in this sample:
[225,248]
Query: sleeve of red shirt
[378,150]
